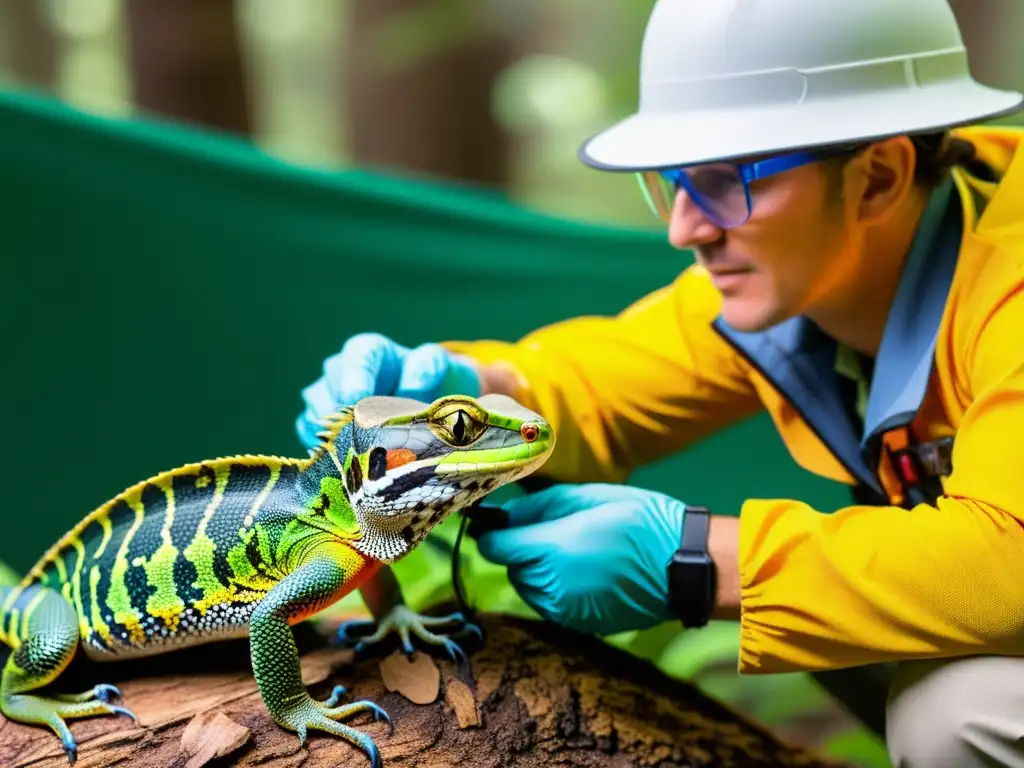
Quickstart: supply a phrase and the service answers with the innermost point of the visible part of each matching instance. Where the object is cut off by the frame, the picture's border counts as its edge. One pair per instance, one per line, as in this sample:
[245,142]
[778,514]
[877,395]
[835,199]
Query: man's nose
[689,225]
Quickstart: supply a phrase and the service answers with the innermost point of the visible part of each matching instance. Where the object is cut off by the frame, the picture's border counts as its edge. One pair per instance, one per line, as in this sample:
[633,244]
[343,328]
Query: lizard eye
[460,429]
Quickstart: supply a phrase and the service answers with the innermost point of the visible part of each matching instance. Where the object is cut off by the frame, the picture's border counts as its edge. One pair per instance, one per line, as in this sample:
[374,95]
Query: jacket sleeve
[891,584]
[625,390]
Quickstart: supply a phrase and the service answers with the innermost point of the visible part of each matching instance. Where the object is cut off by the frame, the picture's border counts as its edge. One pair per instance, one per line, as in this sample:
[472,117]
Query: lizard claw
[380,714]
[315,715]
[337,694]
[345,631]
[57,709]
[405,623]
[70,749]
[458,655]
[467,627]
[107,693]
[123,711]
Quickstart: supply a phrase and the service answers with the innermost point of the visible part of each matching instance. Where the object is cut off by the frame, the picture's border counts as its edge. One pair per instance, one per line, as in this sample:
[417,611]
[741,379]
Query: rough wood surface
[533,696]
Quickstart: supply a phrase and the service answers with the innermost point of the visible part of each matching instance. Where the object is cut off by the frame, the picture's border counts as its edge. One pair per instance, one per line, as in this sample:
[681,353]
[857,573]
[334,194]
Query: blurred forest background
[497,94]
[487,92]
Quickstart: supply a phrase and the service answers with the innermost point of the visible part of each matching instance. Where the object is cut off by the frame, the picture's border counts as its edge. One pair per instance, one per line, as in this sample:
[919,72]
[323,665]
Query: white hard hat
[724,79]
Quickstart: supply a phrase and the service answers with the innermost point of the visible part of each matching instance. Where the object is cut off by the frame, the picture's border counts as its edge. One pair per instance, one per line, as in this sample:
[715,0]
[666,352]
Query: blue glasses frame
[748,172]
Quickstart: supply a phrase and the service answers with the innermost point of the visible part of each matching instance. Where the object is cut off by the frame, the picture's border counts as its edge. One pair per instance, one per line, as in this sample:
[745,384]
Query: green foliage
[860,748]
[7,576]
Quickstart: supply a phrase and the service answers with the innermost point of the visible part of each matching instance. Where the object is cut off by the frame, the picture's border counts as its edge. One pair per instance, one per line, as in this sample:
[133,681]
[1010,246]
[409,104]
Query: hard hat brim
[654,140]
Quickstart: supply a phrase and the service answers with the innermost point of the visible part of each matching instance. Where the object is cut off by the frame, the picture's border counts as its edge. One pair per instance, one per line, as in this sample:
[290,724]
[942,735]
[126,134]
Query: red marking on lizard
[400,456]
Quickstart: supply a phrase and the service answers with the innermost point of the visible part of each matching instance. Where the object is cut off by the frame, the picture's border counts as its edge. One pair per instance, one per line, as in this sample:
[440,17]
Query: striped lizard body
[250,545]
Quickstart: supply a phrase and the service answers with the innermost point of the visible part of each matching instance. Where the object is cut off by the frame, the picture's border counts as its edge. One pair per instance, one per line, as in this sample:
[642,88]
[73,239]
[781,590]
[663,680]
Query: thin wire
[460,595]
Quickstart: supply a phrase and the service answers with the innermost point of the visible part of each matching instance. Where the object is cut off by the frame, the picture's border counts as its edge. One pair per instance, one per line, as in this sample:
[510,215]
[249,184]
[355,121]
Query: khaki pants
[957,713]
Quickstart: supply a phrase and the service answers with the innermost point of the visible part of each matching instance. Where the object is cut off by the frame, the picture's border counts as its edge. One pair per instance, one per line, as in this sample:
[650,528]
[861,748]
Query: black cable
[460,595]
[489,517]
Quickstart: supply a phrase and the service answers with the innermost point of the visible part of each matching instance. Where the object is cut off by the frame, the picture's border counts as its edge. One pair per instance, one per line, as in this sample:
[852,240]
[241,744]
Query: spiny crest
[332,424]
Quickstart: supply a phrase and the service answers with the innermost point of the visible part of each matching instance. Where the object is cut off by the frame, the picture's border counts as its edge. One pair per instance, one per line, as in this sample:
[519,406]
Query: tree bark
[533,696]
[418,95]
[186,62]
[31,46]
[991,33]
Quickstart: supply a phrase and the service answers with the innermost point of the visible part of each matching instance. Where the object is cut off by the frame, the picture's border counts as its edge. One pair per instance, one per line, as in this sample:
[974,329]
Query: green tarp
[167,293]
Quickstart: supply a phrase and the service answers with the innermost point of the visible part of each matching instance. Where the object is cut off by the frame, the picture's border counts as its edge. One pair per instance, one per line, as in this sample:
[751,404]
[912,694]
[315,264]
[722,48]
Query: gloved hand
[590,557]
[372,364]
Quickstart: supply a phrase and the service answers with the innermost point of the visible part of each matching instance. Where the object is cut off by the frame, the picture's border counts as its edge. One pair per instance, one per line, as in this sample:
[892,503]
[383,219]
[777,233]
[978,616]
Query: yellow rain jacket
[890,579]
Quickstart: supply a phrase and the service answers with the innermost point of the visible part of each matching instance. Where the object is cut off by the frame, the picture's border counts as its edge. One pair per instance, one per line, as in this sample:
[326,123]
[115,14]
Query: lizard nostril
[530,432]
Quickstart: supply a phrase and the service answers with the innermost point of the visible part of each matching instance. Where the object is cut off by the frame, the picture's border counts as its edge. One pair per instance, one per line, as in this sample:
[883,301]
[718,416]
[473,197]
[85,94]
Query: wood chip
[210,735]
[461,698]
[418,678]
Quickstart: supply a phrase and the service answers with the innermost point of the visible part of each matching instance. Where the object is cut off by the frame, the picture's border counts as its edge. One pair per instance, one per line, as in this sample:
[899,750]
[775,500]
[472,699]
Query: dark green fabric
[167,294]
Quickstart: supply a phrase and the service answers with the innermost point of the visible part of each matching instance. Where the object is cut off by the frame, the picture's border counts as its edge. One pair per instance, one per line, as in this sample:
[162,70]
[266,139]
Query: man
[860,276]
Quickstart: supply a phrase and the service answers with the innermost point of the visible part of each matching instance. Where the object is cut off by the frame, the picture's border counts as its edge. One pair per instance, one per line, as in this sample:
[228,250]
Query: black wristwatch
[692,578]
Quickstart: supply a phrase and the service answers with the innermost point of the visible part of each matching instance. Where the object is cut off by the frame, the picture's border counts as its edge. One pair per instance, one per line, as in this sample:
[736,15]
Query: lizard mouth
[495,462]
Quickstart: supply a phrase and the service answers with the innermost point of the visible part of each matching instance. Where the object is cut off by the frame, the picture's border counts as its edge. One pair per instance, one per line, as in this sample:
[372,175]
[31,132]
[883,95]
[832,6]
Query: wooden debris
[210,735]
[417,678]
[462,702]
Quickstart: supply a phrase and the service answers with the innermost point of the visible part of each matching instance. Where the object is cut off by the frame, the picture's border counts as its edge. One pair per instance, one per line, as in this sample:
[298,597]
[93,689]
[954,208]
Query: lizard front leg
[318,581]
[383,596]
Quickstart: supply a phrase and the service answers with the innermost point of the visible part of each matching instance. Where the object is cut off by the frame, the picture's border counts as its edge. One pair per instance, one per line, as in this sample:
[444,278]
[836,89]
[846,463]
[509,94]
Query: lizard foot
[54,712]
[103,692]
[407,623]
[309,714]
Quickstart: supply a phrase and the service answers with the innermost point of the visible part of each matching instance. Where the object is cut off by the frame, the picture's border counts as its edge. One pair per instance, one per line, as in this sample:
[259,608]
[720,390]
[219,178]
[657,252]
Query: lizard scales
[190,555]
[178,559]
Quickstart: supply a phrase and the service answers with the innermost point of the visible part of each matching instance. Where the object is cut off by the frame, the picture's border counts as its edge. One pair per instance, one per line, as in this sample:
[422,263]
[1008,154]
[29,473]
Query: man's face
[784,260]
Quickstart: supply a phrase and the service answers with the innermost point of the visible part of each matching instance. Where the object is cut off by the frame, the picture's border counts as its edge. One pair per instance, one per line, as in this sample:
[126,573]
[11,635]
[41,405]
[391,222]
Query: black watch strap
[695,530]
[691,571]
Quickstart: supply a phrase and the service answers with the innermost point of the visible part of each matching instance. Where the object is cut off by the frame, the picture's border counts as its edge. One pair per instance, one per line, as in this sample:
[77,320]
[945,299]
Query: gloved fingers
[533,594]
[368,364]
[526,545]
[422,372]
[461,377]
[560,501]
[484,518]
[307,432]
[318,405]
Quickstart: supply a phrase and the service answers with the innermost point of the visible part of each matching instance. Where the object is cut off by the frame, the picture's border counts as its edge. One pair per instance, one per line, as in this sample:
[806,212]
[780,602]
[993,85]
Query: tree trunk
[186,62]
[418,87]
[991,32]
[534,696]
[31,46]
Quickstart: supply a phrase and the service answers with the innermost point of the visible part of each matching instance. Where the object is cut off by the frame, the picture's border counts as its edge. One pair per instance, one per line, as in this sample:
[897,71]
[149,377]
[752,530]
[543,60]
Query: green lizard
[250,545]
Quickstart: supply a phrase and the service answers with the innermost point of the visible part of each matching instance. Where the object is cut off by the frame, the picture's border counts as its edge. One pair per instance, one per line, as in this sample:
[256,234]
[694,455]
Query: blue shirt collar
[905,357]
[799,359]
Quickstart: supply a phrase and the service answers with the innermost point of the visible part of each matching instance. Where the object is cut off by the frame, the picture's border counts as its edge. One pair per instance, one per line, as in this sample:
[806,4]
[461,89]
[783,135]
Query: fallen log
[533,696]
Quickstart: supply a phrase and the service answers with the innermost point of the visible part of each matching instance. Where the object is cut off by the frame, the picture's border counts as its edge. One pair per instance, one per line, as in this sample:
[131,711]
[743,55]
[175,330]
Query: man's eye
[716,182]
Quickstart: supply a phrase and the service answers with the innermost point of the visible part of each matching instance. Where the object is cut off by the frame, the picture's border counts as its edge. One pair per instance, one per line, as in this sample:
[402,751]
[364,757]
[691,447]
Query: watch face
[692,587]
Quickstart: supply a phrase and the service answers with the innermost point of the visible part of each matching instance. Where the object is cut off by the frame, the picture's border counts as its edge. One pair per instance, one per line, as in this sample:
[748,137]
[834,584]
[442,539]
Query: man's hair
[937,154]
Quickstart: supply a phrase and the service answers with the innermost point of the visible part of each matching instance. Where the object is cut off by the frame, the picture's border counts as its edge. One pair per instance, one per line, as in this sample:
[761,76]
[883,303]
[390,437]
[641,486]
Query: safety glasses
[722,190]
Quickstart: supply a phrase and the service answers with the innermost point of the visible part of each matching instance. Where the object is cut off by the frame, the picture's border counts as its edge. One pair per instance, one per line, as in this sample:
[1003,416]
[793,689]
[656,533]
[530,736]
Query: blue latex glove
[372,364]
[590,557]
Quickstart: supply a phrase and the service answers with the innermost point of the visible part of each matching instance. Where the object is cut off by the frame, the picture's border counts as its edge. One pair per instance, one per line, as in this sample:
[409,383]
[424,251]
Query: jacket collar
[798,358]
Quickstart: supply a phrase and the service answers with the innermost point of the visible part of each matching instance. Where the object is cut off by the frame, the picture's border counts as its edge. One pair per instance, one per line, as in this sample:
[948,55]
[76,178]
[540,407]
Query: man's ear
[883,178]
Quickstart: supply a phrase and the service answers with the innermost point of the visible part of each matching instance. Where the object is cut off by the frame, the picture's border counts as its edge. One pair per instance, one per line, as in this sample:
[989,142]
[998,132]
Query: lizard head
[409,463]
